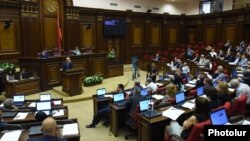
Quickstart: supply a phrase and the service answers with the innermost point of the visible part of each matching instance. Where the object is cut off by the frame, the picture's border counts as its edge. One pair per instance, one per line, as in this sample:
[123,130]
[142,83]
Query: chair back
[197,130]
[228,107]
[239,106]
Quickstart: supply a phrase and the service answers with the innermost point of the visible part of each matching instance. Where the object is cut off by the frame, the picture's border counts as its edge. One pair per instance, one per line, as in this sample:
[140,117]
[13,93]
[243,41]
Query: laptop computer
[144,109]
[101,92]
[18,100]
[144,92]
[9,114]
[119,99]
[35,130]
[219,117]
[44,106]
[45,97]
[180,98]
[161,77]
[199,91]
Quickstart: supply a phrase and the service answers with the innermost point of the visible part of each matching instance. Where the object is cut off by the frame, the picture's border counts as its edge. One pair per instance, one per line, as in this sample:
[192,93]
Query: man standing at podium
[67,65]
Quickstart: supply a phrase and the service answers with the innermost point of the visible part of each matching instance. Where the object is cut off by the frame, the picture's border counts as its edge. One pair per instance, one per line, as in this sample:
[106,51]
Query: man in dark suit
[132,103]
[49,129]
[67,65]
[104,110]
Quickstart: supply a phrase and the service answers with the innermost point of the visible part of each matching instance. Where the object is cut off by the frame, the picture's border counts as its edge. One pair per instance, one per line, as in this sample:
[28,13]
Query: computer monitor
[101,91]
[144,92]
[18,98]
[144,105]
[199,91]
[44,105]
[179,97]
[219,117]
[118,97]
[45,97]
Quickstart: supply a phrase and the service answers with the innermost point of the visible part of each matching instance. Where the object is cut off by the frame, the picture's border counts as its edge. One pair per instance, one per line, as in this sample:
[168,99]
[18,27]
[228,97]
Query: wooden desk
[23,137]
[72,81]
[48,69]
[117,118]
[24,86]
[31,118]
[153,129]
[98,103]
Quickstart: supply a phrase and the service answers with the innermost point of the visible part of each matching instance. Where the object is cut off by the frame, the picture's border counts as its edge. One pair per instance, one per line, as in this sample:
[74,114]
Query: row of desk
[30,121]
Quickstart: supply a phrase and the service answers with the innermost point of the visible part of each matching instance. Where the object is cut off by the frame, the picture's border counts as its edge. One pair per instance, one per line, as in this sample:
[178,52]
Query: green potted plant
[6,67]
[92,80]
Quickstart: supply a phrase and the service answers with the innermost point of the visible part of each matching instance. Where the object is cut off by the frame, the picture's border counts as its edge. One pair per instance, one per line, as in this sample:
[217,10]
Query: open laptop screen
[218,117]
[144,92]
[144,105]
[45,97]
[18,98]
[179,97]
[101,91]
[199,91]
[118,97]
[43,106]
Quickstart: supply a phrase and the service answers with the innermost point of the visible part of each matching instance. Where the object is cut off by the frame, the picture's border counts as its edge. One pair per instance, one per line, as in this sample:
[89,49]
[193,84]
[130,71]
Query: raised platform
[110,84]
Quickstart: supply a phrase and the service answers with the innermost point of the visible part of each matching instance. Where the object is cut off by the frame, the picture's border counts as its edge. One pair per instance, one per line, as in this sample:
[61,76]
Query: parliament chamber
[37,37]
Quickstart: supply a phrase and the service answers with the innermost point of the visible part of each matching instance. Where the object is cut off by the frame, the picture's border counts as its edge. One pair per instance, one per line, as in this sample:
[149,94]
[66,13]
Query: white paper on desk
[240,75]
[20,116]
[172,113]
[32,104]
[57,102]
[231,90]
[159,84]
[1,105]
[70,129]
[189,85]
[239,71]
[246,122]
[128,92]
[108,95]
[192,100]
[158,97]
[11,135]
[231,63]
[188,105]
[193,82]
[59,112]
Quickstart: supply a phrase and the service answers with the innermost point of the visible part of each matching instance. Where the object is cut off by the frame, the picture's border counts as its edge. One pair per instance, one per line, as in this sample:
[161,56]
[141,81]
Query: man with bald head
[49,129]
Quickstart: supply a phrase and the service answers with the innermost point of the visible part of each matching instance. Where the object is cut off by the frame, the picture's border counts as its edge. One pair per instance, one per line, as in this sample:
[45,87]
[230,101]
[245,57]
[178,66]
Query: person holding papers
[201,114]
[171,90]
[237,59]
[151,85]
[243,62]
[49,129]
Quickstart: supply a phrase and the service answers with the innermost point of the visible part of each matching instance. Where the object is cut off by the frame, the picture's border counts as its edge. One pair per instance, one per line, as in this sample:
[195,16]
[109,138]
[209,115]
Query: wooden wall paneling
[72,31]
[219,29]
[137,35]
[156,35]
[240,26]
[182,37]
[209,34]
[50,35]
[147,34]
[230,33]
[53,75]
[30,29]
[97,66]
[172,35]
[88,35]
[99,33]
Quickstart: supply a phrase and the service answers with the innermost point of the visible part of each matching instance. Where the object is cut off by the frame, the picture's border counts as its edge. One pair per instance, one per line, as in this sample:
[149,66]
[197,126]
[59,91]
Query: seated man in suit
[104,110]
[49,129]
[8,104]
[67,65]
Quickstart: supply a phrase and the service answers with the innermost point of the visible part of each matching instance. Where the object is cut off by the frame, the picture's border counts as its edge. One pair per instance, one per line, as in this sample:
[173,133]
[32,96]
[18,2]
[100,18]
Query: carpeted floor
[81,106]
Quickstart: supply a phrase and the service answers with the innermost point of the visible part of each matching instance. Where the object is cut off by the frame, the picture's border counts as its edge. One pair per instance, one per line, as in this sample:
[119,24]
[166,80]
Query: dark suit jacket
[47,138]
[67,66]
